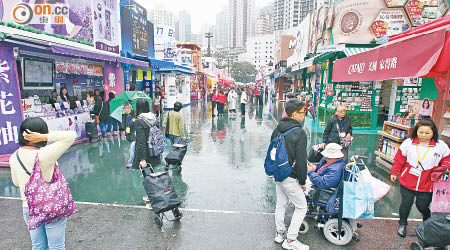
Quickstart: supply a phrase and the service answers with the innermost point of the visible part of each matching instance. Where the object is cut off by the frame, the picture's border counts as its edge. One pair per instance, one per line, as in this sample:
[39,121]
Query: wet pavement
[222,171]
[111,228]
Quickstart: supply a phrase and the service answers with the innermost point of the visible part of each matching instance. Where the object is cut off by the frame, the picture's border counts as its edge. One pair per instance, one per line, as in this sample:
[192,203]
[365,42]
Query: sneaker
[280,237]
[294,245]
[146,199]
[115,134]
[129,164]
[149,206]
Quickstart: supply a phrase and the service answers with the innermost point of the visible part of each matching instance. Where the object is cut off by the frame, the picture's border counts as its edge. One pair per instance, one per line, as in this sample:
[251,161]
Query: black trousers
[423,200]
[243,108]
[213,107]
[220,108]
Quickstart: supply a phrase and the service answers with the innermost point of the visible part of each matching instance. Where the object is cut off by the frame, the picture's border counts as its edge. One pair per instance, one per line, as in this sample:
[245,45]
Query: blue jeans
[174,139]
[48,236]
[112,123]
[103,129]
[132,150]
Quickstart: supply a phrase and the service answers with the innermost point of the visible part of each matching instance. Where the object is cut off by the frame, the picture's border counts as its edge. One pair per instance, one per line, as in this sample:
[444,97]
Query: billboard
[353,19]
[106,25]
[136,33]
[78,26]
[165,43]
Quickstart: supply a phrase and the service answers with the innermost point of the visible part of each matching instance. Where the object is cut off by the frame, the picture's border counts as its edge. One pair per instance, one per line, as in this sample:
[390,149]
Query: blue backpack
[277,162]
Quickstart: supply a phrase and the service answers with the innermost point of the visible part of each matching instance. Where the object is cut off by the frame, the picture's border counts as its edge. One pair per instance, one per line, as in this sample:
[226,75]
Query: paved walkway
[112,227]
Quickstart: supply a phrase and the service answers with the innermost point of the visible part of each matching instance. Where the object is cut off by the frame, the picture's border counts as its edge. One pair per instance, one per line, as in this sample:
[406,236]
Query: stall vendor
[53,98]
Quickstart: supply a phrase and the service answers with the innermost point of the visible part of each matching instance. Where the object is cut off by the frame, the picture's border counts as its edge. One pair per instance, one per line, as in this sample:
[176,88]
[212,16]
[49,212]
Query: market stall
[398,59]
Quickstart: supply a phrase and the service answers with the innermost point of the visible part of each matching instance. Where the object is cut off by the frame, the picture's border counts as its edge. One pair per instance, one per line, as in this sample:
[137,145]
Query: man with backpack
[286,162]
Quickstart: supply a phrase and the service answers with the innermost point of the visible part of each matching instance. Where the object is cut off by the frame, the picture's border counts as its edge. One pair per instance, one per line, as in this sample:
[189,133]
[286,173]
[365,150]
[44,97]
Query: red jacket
[221,98]
[411,174]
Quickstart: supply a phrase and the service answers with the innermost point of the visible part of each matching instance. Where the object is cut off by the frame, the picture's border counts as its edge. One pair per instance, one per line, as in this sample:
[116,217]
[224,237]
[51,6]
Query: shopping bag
[441,196]
[379,188]
[357,201]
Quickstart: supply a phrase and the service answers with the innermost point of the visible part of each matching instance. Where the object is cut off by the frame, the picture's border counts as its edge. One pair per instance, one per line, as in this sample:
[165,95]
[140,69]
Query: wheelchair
[328,222]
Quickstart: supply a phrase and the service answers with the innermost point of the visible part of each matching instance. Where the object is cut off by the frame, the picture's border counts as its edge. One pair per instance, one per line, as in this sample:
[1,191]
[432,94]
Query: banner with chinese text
[10,105]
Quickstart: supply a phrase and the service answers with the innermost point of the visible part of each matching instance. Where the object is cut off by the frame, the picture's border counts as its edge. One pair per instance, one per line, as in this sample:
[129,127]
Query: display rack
[392,135]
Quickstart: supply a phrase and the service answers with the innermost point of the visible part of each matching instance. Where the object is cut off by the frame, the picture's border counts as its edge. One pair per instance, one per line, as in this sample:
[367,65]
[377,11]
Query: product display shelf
[383,163]
[384,157]
[390,143]
[388,135]
[397,125]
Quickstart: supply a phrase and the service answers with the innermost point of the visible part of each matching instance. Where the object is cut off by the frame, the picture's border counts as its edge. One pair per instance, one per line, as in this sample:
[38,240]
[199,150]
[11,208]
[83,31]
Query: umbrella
[116,104]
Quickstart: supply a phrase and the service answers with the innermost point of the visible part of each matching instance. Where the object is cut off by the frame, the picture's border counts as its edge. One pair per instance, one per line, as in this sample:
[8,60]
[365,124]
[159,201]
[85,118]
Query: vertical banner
[106,25]
[113,79]
[10,105]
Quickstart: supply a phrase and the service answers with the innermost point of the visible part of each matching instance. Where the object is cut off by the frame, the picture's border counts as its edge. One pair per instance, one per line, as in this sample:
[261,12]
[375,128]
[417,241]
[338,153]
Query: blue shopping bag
[357,201]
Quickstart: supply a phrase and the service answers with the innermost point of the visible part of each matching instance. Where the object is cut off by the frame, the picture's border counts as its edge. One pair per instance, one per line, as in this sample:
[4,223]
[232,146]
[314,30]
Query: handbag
[47,201]
[441,196]
[97,117]
[344,141]
[357,201]
[166,132]
[379,188]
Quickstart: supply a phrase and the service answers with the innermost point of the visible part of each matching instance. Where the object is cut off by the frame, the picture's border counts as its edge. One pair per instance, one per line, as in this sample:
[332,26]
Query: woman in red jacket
[414,163]
[221,100]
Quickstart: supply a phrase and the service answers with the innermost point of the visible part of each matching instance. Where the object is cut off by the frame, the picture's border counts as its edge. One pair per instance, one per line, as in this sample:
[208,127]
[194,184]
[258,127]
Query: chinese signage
[389,22]
[106,25]
[76,24]
[422,12]
[10,109]
[78,68]
[353,19]
[392,61]
[139,35]
[165,43]
[113,79]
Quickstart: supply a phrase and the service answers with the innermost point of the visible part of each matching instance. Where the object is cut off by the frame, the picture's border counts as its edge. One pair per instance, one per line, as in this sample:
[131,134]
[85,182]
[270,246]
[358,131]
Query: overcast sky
[202,11]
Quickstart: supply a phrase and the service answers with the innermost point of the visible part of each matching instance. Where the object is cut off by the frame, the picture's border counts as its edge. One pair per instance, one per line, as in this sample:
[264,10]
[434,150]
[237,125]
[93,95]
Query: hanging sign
[395,3]
[422,12]
[389,22]
[10,104]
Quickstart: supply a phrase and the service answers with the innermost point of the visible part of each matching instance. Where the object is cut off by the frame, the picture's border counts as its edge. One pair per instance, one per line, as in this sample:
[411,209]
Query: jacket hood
[149,119]
[287,123]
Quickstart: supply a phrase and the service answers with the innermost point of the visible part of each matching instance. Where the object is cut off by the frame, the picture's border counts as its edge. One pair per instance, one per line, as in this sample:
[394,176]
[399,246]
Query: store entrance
[385,102]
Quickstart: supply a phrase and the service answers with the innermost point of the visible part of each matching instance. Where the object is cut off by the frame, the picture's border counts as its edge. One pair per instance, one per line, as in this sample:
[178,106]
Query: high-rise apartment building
[241,22]
[160,15]
[290,13]
[264,25]
[260,50]
[183,27]
[221,29]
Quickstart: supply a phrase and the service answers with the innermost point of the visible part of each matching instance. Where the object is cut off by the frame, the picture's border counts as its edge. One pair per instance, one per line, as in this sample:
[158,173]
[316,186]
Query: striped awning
[354,51]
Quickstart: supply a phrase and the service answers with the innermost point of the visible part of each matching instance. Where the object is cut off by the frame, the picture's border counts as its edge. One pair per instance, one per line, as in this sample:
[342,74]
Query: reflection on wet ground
[222,170]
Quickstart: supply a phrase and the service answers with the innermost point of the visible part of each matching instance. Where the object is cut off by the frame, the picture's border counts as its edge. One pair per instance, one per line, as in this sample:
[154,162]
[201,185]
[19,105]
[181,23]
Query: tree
[243,72]
[221,59]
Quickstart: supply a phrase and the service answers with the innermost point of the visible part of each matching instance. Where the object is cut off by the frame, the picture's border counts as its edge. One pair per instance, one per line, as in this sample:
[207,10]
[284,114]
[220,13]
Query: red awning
[419,52]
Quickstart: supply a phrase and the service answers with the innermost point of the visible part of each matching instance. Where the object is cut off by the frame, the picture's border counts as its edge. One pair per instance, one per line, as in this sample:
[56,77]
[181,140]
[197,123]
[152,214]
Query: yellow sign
[140,75]
[149,75]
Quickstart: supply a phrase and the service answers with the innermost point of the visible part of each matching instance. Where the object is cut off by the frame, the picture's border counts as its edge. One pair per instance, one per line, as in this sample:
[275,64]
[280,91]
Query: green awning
[280,74]
[323,57]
